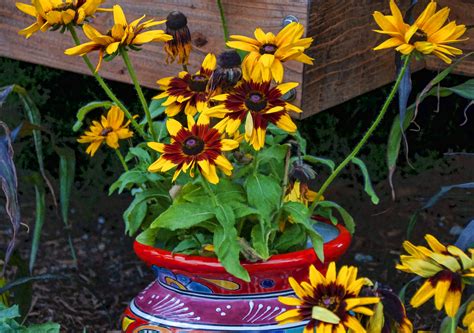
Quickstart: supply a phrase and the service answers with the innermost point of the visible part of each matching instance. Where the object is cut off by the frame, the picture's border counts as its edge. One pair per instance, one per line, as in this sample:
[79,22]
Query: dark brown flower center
[106,131]
[256,101]
[193,146]
[268,49]
[329,302]
[419,36]
[198,83]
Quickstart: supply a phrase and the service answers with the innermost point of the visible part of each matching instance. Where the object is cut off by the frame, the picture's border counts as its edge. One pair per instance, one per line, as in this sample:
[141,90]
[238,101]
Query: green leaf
[28,279]
[264,193]
[183,216]
[299,213]
[39,218]
[148,236]
[465,89]
[368,188]
[128,179]
[243,210]
[136,212]
[315,160]
[346,217]
[227,249]
[67,170]
[276,152]
[260,234]
[142,154]
[156,109]
[82,112]
[292,238]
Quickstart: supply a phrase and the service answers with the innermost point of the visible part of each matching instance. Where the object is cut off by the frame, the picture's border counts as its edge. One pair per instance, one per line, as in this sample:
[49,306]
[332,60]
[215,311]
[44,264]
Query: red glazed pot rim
[333,250]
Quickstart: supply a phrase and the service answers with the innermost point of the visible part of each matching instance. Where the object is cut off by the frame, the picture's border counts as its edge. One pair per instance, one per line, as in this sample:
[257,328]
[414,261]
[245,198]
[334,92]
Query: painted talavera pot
[196,294]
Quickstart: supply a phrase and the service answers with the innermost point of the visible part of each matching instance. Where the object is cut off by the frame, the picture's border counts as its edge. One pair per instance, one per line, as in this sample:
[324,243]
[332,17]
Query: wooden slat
[345,64]
[204,21]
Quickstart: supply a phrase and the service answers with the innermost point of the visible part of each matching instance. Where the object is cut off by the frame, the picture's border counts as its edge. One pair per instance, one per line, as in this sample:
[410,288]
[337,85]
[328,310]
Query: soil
[109,275]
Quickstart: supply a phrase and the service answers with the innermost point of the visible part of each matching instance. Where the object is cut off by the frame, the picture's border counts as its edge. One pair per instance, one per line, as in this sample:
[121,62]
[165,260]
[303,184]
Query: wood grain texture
[345,64]
[204,22]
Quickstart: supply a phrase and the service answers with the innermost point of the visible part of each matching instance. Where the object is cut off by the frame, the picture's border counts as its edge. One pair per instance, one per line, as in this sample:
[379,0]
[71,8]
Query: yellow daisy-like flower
[187,92]
[256,104]
[110,130]
[122,34]
[56,13]
[268,52]
[198,146]
[329,302]
[427,35]
[444,268]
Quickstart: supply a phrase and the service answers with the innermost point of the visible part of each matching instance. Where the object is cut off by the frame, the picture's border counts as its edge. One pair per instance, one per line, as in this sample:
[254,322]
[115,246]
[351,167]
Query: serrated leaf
[368,188]
[227,249]
[83,111]
[183,216]
[264,193]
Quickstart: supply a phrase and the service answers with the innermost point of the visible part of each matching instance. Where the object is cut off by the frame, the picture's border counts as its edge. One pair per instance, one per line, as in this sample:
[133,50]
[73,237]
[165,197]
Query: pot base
[161,308]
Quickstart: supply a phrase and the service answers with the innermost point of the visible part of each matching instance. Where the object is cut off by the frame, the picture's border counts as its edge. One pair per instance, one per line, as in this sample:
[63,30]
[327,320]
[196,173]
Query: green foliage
[8,323]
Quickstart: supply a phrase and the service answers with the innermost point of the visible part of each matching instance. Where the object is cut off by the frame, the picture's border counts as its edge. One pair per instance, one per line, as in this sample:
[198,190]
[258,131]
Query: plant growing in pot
[222,198]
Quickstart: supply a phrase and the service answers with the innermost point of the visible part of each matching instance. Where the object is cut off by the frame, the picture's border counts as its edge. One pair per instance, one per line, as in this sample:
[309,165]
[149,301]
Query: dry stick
[364,139]
[106,88]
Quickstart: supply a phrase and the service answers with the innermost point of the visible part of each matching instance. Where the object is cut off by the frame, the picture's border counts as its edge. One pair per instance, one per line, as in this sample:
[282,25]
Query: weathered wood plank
[204,22]
[345,65]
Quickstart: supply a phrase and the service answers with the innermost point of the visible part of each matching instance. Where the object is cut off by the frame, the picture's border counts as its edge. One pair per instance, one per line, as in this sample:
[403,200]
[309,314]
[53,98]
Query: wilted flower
[198,146]
[180,46]
[57,13]
[427,35]
[390,314]
[228,71]
[122,34]
[444,268]
[110,130]
[330,302]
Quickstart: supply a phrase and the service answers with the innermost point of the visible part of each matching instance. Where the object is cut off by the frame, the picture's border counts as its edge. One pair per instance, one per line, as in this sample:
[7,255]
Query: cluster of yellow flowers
[250,93]
[332,303]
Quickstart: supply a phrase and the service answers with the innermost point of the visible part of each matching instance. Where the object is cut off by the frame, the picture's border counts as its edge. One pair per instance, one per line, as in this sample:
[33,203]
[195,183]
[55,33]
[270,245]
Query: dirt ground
[109,274]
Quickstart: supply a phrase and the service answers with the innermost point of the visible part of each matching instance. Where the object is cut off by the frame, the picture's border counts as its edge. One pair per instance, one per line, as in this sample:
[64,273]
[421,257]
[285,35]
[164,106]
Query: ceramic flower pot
[196,294]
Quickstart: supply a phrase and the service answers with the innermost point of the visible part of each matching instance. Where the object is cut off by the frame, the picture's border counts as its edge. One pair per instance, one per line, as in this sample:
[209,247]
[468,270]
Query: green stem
[223,21]
[208,189]
[364,139]
[105,87]
[139,90]
[122,160]
[453,325]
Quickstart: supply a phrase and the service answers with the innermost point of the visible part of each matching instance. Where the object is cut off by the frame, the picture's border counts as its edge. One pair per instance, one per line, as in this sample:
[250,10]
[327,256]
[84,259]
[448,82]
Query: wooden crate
[345,65]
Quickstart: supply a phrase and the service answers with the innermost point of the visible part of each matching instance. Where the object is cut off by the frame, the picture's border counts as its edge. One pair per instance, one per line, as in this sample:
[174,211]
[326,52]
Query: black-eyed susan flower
[198,146]
[110,130]
[187,92]
[228,71]
[268,52]
[256,105]
[180,46]
[389,314]
[444,268]
[329,302]
[428,35]
[122,34]
[57,13]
